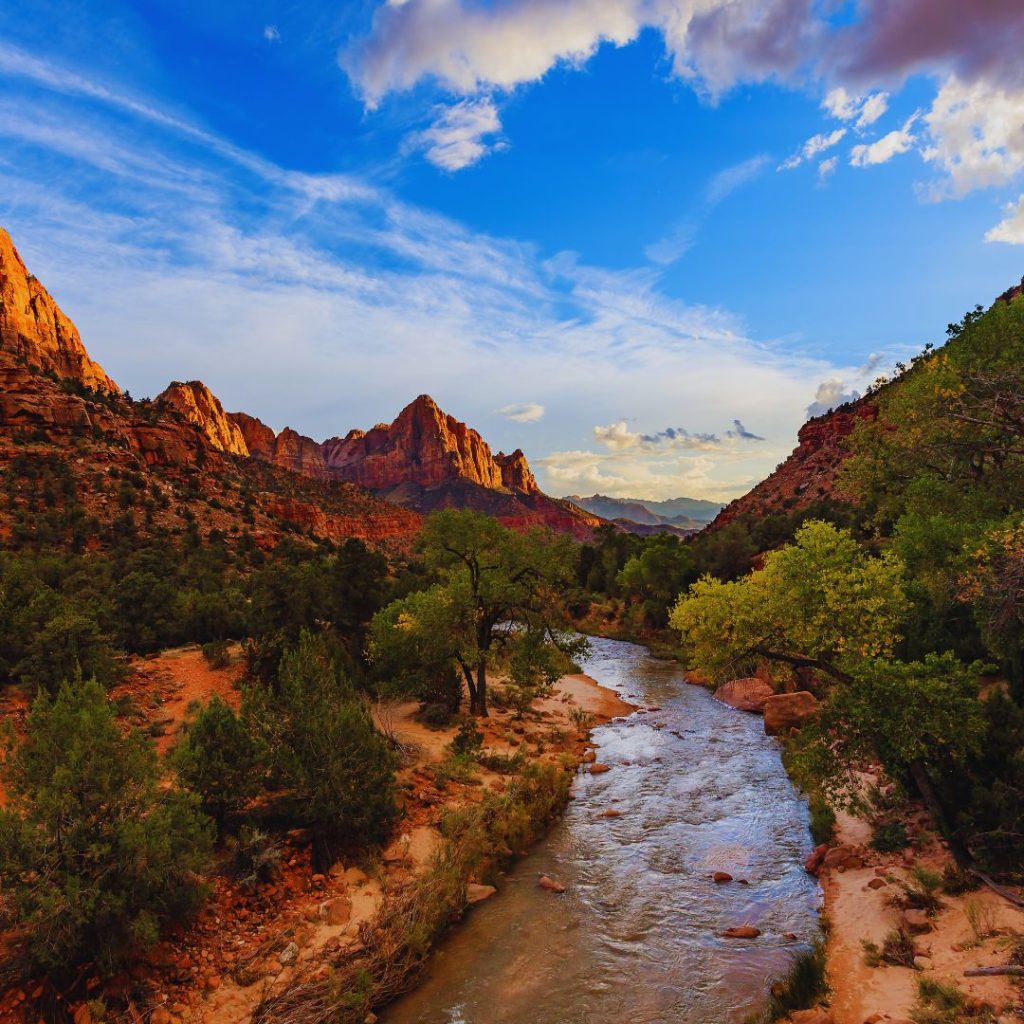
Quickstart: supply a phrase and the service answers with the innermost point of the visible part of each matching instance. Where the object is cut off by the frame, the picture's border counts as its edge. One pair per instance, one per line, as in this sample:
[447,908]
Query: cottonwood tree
[822,603]
[499,592]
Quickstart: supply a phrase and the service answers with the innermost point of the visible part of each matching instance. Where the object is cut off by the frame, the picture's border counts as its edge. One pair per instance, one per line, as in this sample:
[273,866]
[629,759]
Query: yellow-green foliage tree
[823,602]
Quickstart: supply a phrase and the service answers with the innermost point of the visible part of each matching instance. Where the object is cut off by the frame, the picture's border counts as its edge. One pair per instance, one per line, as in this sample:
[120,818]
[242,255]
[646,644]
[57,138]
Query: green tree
[218,759]
[68,645]
[821,603]
[322,745]
[499,590]
[920,720]
[94,854]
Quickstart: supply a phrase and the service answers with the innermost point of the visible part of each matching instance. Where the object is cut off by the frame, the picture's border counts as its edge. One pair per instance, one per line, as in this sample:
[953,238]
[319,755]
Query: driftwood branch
[1011,970]
[999,890]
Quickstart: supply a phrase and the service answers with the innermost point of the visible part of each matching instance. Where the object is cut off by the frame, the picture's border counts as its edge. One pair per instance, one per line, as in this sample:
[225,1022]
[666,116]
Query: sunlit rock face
[35,331]
[200,407]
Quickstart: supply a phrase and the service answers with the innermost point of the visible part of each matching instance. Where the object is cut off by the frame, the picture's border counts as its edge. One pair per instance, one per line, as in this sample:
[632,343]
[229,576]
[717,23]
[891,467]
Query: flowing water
[636,938]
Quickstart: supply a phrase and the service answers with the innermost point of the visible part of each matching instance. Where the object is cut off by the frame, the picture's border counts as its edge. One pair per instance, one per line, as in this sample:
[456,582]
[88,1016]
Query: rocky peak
[427,447]
[201,407]
[811,471]
[1011,293]
[35,331]
[516,474]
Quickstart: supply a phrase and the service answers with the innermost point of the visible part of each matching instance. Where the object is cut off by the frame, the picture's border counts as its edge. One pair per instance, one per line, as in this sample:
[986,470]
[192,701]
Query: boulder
[336,911]
[747,694]
[721,877]
[546,882]
[599,769]
[476,893]
[916,922]
[839,857]
[785,711]
[743,931]
[815,859]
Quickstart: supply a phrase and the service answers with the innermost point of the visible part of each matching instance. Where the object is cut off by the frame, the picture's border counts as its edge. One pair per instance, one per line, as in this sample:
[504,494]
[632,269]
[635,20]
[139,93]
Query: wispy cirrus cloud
[461,135]
[324,302]
[677,242]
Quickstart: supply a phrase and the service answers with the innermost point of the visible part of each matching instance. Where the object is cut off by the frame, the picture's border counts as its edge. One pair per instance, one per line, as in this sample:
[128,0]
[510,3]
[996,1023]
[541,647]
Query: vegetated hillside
[811,472]
[683,514]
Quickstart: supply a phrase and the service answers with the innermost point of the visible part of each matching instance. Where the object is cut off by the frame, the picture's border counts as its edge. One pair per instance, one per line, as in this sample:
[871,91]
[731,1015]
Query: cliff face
[424,446]
[200,407]
[516,474]
[35,331]
[425,460]
[289,449]
[810,472]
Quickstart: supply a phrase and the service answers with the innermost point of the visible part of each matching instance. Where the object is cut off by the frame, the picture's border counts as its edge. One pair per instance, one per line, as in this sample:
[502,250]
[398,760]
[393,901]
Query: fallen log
[985,972]
[998,889]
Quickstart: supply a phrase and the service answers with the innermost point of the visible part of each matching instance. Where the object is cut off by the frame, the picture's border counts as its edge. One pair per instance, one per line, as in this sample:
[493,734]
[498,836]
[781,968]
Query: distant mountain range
[673,514]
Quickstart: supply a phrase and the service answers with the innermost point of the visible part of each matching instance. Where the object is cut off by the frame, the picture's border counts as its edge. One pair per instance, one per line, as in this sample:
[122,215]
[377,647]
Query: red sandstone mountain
[423,461]
[810,472]
[35,332]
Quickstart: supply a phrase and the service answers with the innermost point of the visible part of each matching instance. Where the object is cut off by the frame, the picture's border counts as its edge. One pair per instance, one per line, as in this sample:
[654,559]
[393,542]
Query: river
[636,938]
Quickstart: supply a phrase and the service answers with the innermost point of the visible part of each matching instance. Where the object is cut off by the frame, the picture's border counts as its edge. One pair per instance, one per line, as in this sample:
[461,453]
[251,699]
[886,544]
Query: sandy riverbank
[859,907]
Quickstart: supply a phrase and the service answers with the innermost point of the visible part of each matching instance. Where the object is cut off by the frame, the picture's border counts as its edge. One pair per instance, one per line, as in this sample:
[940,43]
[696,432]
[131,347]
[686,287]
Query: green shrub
[67,646]
[94,853]
[956,880]
[924,894]
[802,987]
[216,653]
[823,819]
[322,745]
[897,950]
[941,1002]
[468,739]
[889,837]
[218,760]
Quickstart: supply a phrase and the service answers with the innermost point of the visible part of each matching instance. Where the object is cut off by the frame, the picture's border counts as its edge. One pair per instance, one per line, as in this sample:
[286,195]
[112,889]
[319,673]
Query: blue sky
[640,239]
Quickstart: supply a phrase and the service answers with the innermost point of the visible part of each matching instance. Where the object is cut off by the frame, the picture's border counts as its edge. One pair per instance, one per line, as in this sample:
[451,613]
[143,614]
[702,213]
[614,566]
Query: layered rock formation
[200,407]
[809,474]
[425,460]
[426,447]
[34,330]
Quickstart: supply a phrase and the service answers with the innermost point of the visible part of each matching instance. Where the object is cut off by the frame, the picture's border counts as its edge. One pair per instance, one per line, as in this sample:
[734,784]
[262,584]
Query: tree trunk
[923,781]
[470,685]
[480,701]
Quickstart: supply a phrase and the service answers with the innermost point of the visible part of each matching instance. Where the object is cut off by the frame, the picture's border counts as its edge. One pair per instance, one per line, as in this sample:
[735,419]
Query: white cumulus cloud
[1011,229]
[884,149]
[815,145]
